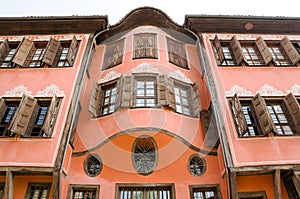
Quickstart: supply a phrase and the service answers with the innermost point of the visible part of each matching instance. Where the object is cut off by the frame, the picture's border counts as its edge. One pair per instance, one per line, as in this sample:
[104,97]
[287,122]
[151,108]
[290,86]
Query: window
[260,117]
[83,192]
[278,54]
[109,99]
[252,195]
[182,99]
[145,92]
[38,191]
[177,53]
[144,155]
[35,56]
[2,185]
[251,54]
[145,192]
[145,46]
[66,54]
[8,50]
[113,54]
[196,165]
[291,183]
[93,165]
[29,117]
[205,192]
[223,52]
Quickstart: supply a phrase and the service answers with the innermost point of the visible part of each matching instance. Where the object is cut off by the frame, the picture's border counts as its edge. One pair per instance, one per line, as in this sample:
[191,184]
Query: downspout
[207,73]
[87,62]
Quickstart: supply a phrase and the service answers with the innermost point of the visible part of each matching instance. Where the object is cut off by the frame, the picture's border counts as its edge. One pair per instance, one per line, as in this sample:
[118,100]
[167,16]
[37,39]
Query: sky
[176,10]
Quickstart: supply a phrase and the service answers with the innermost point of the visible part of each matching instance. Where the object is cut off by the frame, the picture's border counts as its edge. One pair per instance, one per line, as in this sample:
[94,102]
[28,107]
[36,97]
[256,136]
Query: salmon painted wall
[276,81]
[36,81]
[112,136]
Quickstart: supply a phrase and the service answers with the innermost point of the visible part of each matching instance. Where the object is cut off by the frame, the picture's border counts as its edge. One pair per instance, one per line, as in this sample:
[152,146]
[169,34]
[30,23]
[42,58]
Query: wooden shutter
[51,51]
[72,50]
[162,91]
[170,93]
[236,105]
[119,92]
[24,49]
[94,106]
[293,107]
[50,117]
[27,107]
[219,50]
[127,91]
[196,99]
[290,50]
[263,116]
[264,50]
[4,50]
[237,50]
[2,107]
[296,182]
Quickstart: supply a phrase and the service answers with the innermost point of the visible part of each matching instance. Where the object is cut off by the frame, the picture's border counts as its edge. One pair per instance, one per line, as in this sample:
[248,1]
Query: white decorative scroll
[295,89]
[50,91]
[179,76]
[17,91]
[110,76]
[239,90]
[144,68]
[268,90]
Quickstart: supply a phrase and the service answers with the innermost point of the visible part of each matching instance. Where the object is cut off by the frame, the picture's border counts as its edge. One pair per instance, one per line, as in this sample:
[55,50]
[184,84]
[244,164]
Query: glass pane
[139,102]
[150,84]
[140,84]
[140,92]
[150,92]
[150,102]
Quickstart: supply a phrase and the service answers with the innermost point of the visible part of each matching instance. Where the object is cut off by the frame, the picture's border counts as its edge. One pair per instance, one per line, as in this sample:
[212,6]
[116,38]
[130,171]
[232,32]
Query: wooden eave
[242,24]
[52,25]
[143,16]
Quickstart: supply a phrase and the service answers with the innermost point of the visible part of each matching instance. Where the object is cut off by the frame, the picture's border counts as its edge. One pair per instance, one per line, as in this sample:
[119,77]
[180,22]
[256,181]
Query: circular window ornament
[93,165]
[196,165]
[144,155]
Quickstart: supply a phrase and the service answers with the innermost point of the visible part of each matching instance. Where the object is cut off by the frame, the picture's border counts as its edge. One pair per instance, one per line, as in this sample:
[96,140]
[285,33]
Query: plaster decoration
[268,90]
[180,76]
[17,91]
[50,91]
[239,90]
[110,76]
[295,89]
[145,68]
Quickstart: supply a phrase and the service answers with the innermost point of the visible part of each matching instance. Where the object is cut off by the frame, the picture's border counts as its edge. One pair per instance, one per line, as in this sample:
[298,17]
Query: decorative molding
[177,74]
[110,76]
[50,91]
[239,90]
[145,68]
[17,91]
[295,89]
[268,90]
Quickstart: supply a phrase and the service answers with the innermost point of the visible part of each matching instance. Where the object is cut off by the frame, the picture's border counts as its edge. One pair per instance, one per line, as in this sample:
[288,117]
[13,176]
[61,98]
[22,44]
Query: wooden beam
[277,183]
[9,185]
[233,185]
[55,185]
[296,181]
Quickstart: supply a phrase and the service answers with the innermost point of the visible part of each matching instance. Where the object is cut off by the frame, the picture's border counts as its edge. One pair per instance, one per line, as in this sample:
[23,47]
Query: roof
[242,24]
[52,25]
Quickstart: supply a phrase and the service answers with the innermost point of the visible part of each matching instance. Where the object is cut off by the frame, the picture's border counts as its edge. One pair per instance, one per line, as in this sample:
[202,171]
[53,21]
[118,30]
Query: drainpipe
[207,73]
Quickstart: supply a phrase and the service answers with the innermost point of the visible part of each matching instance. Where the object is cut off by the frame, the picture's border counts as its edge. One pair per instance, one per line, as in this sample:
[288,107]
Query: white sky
[176,9]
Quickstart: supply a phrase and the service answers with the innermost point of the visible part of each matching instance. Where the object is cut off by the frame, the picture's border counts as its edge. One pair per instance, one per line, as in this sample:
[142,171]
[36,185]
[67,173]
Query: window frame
[9,102]
[205,187]
[9,53]
[115,48]
[83,187]
[277,61]
[190,104]
[145,79]
[144,47]
[255,194]
[177,50]
[40,184]
[203,165]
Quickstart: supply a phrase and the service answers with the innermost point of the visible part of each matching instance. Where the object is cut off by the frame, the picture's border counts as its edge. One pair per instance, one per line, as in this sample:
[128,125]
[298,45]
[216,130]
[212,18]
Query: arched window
[144,152]
[93,165]
[196,165]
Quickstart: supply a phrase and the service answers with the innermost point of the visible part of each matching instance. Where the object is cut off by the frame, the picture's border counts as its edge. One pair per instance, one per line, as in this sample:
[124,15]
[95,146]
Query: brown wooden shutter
[196,99]
[2,107]
[94,106]
[72,50]
[51,51]
[290,50]
[127,91]
[50,117]
[263,116]
[236,105]
[24,49]
[119,92]
[4,50]
[237,50]
[264,50]
[296,181]
[219,50]
[294,110]
[170,93]
[162,91]
[27,106]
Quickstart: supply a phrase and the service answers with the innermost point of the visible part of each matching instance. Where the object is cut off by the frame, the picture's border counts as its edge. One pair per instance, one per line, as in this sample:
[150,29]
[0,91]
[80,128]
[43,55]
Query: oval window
[144,155]
[196,165]
[93,165]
